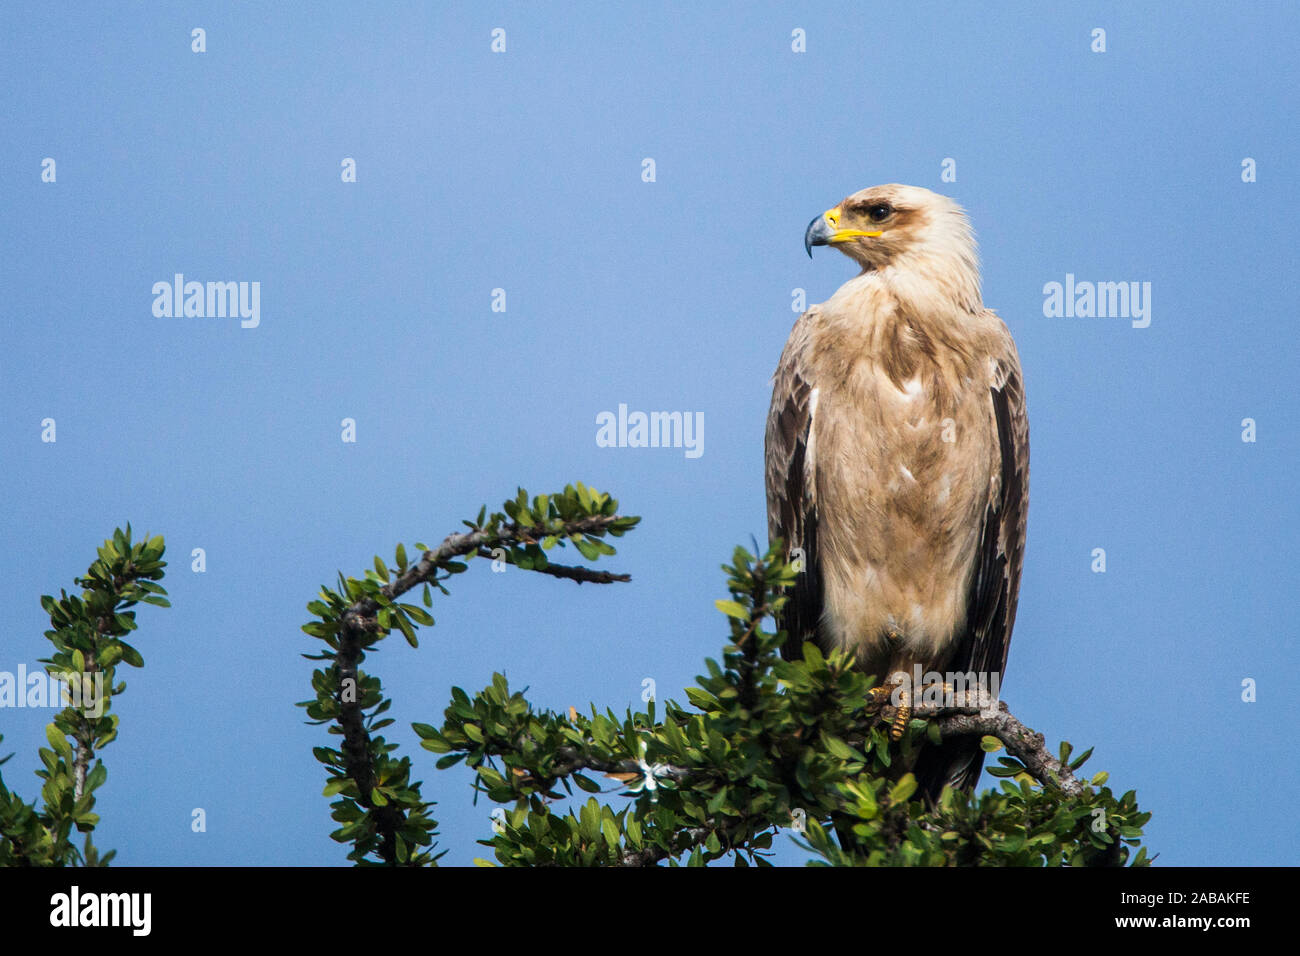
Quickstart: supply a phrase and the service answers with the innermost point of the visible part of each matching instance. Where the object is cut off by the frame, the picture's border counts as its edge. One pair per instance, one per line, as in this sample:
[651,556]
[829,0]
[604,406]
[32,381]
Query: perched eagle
[898,456]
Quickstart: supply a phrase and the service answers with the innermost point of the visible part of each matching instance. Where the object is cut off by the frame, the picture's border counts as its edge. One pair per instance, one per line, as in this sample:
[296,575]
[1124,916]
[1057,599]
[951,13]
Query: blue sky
[522,171]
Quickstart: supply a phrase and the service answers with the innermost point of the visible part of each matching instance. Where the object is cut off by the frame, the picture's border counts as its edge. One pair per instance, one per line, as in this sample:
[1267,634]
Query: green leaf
[335,785]
[701,699]
[407,631]
[130,655]
[903,790]
[58,741]
[418,614]
[733,609]
[838,748]
[109,655]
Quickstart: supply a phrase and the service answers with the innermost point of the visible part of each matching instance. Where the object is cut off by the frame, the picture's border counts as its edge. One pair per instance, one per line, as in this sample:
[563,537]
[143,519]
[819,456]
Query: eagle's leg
[904,713]
[901,680]
[883,694]
[941,695]
[896,684]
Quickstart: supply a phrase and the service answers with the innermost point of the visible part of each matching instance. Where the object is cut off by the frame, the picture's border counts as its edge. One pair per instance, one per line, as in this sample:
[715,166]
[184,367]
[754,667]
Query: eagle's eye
[879,212]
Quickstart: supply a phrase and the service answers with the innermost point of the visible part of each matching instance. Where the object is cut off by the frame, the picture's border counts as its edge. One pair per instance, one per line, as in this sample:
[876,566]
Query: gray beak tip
[816,234]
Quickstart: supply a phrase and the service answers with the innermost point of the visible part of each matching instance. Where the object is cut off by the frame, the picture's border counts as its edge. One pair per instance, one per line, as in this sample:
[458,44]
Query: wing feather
[995,585]
[791,491]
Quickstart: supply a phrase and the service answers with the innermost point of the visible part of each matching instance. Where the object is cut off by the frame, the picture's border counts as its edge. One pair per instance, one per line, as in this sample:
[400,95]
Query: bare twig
[571,572]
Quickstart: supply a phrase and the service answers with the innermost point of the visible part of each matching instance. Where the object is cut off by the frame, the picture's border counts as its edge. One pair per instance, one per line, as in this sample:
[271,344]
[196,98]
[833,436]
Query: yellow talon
[900,722]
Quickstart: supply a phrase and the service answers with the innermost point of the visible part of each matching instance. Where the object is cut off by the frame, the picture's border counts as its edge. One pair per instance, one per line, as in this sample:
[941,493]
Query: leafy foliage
[764,744]
[383,815]
[770,745]
[87,633]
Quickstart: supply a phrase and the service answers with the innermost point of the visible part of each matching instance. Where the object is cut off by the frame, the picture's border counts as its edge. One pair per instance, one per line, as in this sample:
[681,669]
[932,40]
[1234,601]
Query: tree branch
[966,718]
[570,572]
[360,619]
[960,718]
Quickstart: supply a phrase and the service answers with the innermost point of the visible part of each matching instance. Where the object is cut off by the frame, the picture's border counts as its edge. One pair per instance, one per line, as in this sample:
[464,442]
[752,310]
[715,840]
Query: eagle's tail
[956,762]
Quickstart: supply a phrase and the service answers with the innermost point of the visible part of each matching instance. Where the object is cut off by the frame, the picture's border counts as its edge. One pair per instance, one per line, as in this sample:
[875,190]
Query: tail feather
[956,762]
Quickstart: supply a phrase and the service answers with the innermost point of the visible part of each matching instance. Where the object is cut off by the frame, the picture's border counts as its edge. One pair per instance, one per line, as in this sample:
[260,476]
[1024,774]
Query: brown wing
[991,613]
[995,587]
[791,491]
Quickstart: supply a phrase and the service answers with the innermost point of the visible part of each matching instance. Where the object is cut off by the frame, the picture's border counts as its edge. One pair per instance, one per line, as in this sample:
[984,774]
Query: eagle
[897,459]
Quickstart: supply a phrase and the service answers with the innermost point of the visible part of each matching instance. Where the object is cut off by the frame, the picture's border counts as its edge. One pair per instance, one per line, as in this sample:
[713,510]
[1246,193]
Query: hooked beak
[823,231]
[819,234]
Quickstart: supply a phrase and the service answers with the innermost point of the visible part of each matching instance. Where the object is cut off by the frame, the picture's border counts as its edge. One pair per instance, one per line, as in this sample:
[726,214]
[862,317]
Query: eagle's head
[909,232]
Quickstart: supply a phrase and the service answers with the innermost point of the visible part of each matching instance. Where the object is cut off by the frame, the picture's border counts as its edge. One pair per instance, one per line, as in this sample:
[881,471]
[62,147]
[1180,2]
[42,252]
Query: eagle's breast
[905,451]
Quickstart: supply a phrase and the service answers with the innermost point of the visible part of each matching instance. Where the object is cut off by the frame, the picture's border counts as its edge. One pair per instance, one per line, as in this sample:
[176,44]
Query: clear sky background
[522,170]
